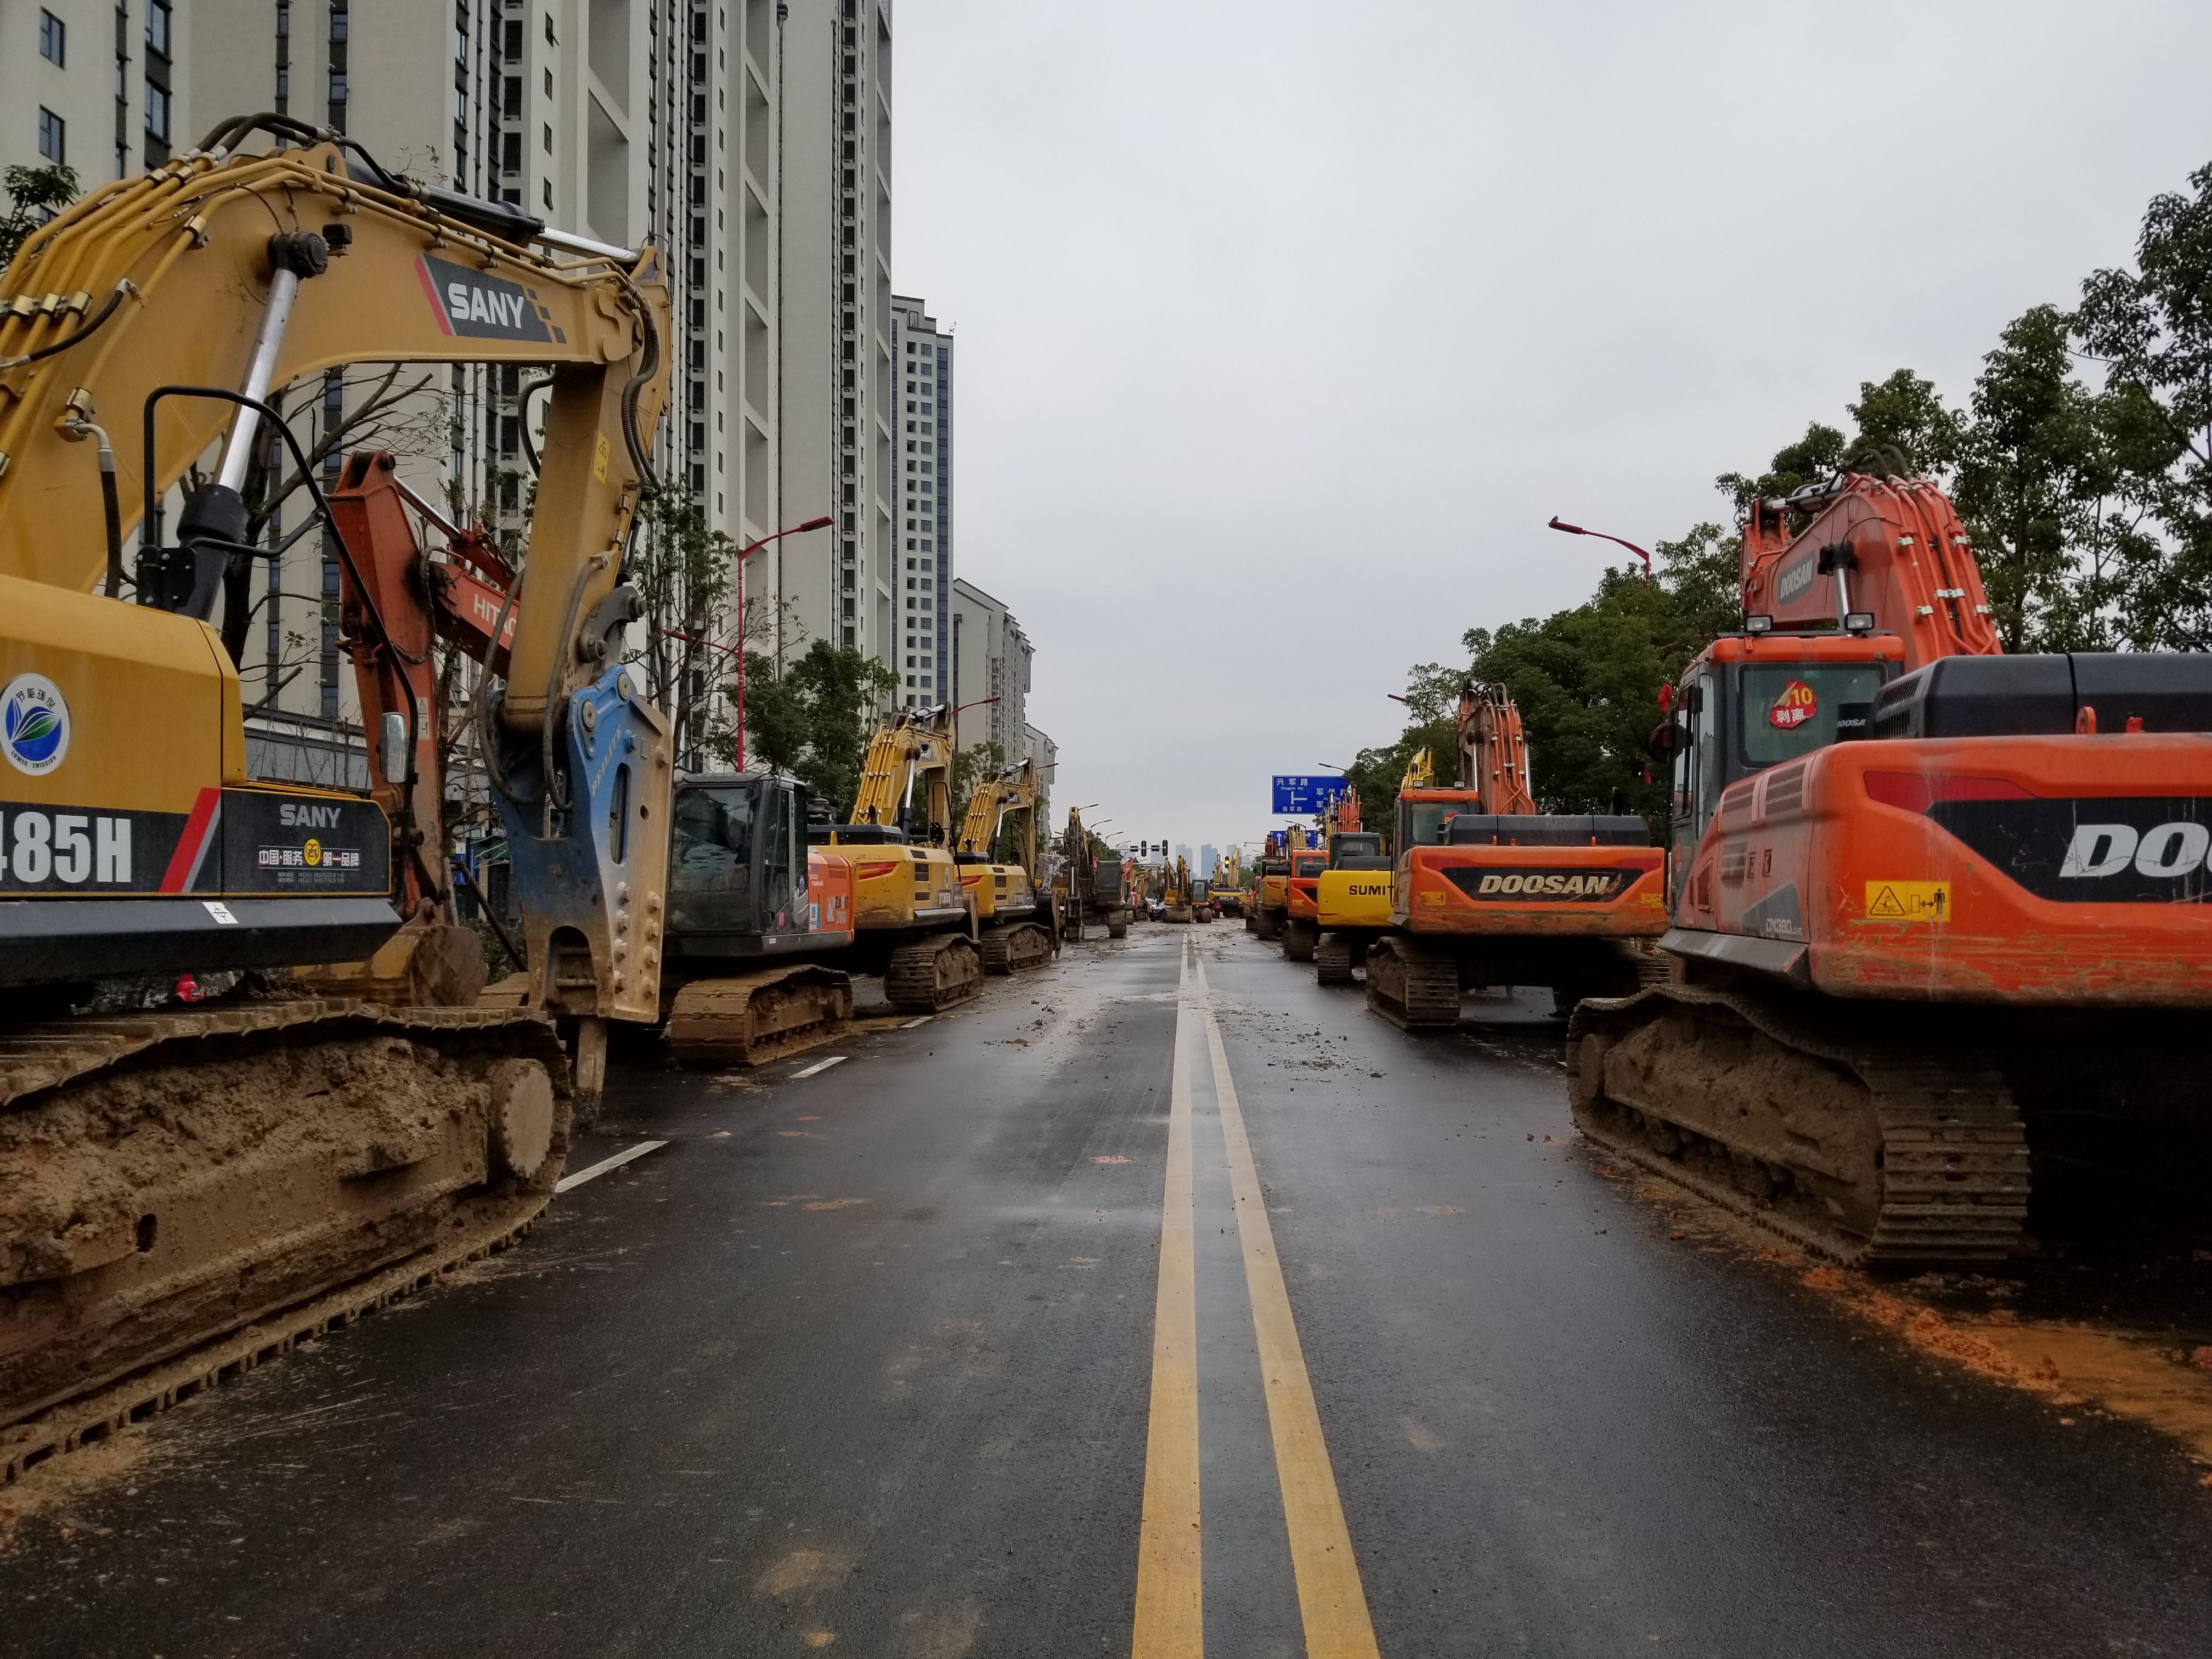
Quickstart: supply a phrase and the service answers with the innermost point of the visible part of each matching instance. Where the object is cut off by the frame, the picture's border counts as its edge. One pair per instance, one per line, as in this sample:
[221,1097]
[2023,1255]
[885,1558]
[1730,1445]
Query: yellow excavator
[198,1162]
[1177,894]
[1012,915]
[913,920]
[1091,888]
[1227,889]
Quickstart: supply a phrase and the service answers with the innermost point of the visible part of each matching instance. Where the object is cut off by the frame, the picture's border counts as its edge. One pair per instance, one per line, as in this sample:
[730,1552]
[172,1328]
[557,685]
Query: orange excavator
[1939,925]
[1301,929]
[1489,890]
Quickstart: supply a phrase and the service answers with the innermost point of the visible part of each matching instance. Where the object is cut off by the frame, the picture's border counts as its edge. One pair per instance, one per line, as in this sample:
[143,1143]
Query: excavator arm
[246,272]
[152,321]
[1493,755]
[1013,790]
[907,750]
[1887,554]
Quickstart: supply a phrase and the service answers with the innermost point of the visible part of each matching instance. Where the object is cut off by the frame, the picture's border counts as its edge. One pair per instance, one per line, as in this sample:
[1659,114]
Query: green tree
[1586,680]
[2035,478]
[814,720]
[1814,456]
[2151,329]
[34,195]
[1903,419]
[686,574]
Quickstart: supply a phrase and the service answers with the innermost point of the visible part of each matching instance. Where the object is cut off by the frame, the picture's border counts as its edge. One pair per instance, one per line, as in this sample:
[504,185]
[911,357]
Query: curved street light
[744,553]
[1558,523]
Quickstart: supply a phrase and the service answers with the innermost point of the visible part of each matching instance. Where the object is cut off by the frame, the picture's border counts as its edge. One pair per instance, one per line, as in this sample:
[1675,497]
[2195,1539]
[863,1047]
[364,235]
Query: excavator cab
[1356,849]
[737,874]
[1753,701]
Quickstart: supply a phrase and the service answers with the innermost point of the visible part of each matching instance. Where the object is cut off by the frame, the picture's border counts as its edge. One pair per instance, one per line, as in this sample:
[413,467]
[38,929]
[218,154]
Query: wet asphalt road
[863,1362]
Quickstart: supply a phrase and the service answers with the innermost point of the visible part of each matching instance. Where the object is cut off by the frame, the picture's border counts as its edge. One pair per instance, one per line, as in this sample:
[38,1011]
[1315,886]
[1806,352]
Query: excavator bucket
[752,1018]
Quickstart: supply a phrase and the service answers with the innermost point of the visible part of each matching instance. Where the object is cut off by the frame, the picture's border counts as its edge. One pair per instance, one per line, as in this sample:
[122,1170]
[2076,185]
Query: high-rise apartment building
[1208,859]
[839,390]
[922,359]
[99,86]
[991,666]
[619,120]
[1041,752]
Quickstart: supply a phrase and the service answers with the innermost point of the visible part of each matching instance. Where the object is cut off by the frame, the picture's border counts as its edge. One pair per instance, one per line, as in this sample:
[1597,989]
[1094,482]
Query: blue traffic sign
[1301,798]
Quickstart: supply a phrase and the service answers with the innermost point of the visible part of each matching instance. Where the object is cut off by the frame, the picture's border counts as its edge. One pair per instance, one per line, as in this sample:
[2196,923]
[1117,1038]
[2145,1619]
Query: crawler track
[1414,990]
[1299,936]
[1016,947]
[933,972]
[1875,1153]
[1332,960]
[168,1180]
[748,1019]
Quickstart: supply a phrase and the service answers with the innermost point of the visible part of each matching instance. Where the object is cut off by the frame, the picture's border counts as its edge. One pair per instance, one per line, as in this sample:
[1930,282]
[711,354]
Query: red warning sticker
[1793,707]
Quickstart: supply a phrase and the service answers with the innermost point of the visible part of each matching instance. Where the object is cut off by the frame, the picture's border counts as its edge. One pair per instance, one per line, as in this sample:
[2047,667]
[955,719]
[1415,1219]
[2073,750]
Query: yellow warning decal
[1654,901]
[1908,900]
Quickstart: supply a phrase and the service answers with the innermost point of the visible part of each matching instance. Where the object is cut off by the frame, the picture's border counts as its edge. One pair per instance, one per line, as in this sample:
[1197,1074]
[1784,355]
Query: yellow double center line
[1332,1605]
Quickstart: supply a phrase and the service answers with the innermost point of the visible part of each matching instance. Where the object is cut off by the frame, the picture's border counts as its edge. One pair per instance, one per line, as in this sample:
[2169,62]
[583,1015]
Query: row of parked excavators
[1920,957]
[252,1080]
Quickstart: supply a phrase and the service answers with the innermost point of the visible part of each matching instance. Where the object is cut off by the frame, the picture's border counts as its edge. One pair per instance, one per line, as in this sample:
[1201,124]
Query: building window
[157,79]
[53,136]
[549,137]
[53,36]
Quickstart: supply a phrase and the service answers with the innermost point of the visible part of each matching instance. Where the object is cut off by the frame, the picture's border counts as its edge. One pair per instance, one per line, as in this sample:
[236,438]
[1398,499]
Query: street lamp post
[978,703]
[1558,523]
[744,553]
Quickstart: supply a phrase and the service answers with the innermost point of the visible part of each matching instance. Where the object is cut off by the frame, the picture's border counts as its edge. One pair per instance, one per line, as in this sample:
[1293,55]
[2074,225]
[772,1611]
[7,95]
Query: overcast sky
[1284,326]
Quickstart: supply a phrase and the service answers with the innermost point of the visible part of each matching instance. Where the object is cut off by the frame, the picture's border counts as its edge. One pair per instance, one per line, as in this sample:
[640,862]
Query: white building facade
[104,87]
[838,391]
[922,359]
[991,660]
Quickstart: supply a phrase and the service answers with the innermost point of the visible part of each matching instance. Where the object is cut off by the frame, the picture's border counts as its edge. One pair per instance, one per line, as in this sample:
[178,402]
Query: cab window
[1421,822]
[1788,709]
[712,839]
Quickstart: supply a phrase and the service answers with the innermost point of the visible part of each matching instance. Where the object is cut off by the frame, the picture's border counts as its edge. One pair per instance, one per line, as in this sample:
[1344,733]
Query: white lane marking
[819,1065]
[605,1165]
[911,1023]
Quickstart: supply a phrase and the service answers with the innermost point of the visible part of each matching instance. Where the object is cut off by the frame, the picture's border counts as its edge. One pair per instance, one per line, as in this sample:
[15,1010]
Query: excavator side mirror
[1666,738]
